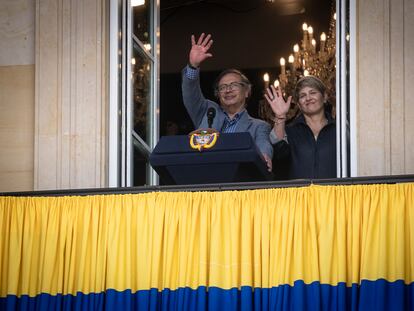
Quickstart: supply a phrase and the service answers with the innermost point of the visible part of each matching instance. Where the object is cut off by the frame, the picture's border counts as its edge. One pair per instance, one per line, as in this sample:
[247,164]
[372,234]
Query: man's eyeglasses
[232,86]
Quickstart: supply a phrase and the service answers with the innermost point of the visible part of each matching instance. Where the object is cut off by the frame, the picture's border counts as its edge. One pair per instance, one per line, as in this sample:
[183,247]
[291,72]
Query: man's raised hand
[199,50]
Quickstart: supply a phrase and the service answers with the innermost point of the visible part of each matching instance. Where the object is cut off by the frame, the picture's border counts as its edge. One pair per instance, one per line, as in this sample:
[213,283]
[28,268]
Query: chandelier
[306,60]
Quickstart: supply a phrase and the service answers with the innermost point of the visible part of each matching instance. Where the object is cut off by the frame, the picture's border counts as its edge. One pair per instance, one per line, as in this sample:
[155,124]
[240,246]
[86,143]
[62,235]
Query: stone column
[70,94]
[385,93]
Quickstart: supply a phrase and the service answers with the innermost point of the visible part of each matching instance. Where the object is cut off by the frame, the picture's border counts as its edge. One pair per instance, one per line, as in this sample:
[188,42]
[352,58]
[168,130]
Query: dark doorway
[248,35]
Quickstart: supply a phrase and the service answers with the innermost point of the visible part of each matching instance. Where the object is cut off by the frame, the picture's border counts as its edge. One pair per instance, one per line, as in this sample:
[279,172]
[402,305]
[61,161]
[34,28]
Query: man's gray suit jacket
[197,106]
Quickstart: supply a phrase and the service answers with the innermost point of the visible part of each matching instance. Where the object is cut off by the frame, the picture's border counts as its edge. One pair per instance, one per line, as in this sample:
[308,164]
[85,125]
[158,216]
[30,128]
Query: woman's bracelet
[278,120]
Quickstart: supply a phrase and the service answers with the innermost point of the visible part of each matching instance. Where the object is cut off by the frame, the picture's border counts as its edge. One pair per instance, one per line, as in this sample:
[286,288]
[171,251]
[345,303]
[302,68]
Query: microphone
[211,113]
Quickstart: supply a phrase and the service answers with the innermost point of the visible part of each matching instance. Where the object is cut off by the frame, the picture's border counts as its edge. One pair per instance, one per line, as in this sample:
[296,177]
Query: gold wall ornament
[306,59]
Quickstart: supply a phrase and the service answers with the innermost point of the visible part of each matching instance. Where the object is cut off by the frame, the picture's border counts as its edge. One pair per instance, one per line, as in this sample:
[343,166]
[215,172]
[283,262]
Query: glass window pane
[141,91]
[141,23]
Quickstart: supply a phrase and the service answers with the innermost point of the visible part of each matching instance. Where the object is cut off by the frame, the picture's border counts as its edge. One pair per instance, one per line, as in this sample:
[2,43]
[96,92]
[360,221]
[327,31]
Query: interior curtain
[347,247]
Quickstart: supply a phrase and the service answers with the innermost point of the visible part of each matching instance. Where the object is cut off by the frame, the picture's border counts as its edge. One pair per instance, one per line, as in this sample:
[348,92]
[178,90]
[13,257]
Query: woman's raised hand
[279,105]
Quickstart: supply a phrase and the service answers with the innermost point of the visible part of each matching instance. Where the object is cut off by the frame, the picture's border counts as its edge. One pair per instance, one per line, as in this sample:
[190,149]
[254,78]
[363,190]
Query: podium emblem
[203,138]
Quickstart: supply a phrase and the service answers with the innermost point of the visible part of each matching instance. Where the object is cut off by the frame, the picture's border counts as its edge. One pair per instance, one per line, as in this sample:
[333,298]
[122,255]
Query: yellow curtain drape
[258,238]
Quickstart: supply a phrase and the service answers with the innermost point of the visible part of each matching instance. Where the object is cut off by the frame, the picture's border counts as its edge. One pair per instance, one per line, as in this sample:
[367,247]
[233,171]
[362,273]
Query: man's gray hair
[243,78]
